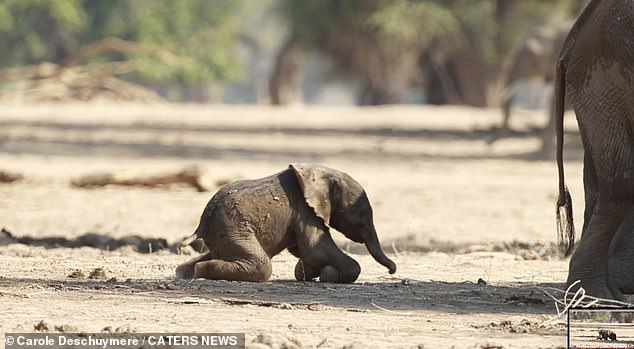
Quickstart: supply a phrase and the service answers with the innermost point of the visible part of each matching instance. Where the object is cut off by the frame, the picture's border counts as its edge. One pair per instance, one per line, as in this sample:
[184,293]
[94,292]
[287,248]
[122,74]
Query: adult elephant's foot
[616,291]
[594,286]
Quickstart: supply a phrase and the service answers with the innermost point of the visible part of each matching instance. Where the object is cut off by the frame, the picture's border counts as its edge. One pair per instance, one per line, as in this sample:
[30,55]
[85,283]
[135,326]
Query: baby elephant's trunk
[373,246]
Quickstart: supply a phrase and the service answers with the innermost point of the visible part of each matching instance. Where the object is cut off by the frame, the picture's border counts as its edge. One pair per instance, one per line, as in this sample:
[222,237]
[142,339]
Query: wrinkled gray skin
[247,222]
[536,58]
[596,72]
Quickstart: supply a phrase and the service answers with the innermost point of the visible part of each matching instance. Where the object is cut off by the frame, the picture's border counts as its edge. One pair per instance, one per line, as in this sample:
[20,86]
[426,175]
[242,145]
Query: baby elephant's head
[343,204]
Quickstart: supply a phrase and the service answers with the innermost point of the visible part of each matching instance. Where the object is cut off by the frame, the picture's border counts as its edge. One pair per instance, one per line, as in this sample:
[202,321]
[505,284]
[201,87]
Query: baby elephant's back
[257,207]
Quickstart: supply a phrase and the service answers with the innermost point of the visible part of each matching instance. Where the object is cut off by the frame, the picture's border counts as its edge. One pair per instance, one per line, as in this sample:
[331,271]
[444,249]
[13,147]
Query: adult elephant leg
[621,252]
[589,263]
[243,260]
[621,256]
[589,189]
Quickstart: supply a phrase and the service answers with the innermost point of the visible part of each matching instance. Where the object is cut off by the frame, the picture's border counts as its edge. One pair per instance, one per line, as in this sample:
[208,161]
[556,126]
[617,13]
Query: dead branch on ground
[192,176]
[10,177]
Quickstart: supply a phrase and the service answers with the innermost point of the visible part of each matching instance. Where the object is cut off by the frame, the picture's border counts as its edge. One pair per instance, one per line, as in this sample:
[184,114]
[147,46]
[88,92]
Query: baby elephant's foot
[305,271]
[185,271]
[330,274]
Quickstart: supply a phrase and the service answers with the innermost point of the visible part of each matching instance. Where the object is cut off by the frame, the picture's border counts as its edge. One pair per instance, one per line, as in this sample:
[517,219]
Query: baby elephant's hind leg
[186,270]
[242,261]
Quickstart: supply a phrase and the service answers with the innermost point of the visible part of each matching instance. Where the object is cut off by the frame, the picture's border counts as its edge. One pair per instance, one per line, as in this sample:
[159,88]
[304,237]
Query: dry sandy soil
[450,209]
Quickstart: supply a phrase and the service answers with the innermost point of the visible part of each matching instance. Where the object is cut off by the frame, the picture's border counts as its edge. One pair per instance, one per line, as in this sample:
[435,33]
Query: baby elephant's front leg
[328,273]
[321,256]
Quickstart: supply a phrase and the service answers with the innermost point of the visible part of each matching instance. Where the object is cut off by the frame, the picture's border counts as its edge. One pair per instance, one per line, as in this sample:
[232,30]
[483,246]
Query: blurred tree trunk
[371,95]
[477,81]
[284,84]
[458,77]
[197,93]
[464,75]
[439,77]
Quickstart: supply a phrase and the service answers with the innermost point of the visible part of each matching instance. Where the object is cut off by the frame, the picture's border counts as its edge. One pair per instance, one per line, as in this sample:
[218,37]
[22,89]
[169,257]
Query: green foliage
[590,316]
[199,33]
[413,21]
[377,38]
[492,26]
[36,30]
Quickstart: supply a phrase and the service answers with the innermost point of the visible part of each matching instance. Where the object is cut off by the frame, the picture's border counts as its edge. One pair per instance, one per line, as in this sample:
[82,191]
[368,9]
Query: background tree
[197,35]
[456,48]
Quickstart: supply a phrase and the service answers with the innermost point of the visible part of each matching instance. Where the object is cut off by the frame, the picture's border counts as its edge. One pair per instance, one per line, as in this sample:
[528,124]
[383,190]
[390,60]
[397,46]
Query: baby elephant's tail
[188,240]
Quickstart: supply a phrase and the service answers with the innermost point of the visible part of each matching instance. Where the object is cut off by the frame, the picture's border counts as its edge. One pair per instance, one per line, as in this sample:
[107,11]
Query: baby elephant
[247,222]
[607,335]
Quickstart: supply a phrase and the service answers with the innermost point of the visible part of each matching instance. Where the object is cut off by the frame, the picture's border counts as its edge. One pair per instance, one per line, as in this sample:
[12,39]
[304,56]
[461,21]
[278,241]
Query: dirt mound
[48,82]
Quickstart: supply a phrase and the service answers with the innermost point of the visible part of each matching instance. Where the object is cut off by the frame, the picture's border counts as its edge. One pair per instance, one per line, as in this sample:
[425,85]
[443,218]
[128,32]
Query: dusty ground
[450,209]
[585,334]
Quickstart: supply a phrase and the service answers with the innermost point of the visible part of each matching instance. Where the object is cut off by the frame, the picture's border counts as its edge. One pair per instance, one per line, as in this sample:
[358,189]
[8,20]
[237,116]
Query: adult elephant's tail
[565,221]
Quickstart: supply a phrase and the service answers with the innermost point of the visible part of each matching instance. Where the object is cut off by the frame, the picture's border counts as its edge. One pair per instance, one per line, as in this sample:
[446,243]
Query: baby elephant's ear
[315,184]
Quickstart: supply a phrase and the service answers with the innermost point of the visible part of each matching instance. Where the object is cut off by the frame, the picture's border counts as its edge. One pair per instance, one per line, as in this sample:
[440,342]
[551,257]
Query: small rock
[283,306]
[66,329]
[42,326]
[77,274]
[124,329]
[98,273]
[530,255]
[275,341]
